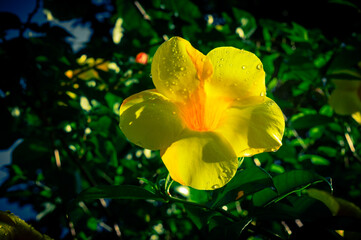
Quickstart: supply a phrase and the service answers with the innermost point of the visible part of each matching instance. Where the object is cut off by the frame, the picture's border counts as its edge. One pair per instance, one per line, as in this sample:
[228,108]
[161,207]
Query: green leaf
[323,59]
[346,3]
[329,151]
[92,223]
[222,228]
[298,33]
[117,192]
[309,121]
[303,207]
[184,9]
[101,126]
[317,160]
[246,181]
[113,100]
[198,215]
[286,184]
[246,21]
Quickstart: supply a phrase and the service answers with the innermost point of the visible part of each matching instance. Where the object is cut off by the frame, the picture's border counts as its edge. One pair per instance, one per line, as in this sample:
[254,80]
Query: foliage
[86,181]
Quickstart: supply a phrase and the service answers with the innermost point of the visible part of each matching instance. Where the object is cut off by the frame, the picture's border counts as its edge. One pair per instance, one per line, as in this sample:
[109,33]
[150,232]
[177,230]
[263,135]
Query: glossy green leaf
[315,159]
[199,216]
[294,207]
[117,192]
[310,120]
[286,184]
[247,180]
[222,228]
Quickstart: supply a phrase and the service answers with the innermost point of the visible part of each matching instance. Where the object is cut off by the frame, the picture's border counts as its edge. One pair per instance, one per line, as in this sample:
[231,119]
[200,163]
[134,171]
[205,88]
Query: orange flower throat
[202,112]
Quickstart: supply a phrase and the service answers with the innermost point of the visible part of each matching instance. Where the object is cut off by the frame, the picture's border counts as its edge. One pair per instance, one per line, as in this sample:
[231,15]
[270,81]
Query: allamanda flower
[204,113]
[346,98]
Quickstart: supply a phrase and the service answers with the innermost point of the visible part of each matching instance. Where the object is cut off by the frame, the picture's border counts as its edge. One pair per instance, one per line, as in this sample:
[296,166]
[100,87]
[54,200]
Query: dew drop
[263,94]
[259,66]
[220,65]
[215,186]
[244,67]
[203,59]
[221,59]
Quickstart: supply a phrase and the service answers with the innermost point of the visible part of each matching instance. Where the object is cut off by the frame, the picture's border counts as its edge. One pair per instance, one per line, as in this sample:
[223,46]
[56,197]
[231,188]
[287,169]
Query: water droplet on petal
[215,186]
[263,94]
[259,66]
[221,59]
[244,67]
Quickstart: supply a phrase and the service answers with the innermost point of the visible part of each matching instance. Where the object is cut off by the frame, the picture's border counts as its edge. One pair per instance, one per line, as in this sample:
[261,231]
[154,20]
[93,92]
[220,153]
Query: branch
[31,15]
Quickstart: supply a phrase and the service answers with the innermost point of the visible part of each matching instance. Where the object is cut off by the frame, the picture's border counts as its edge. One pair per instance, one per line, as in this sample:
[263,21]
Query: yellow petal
[357,117]
[177,69]
[150,120]
[345,102]
[253,125]
[202,160]
[236,73]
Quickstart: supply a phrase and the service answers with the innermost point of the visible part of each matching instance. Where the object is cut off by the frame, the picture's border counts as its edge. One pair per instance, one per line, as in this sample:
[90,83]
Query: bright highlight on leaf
[118,31]
[90,68]
[206,111]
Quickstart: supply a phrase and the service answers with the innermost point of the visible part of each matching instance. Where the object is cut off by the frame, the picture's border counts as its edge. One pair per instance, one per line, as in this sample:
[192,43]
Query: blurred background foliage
[63,104]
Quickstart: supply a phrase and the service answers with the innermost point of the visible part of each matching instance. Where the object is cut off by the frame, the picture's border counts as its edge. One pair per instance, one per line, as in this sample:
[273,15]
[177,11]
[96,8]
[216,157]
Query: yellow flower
[205,112]
[346,98]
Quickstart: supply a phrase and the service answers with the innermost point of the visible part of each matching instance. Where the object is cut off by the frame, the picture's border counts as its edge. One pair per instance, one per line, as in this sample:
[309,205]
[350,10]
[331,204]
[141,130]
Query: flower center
[202,112]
